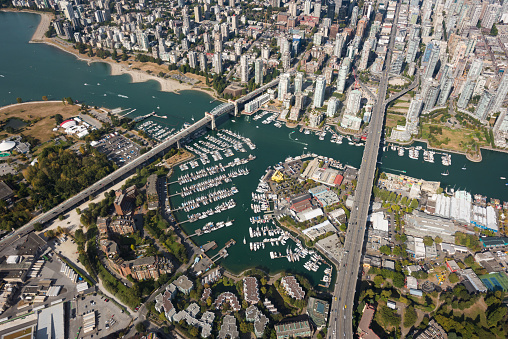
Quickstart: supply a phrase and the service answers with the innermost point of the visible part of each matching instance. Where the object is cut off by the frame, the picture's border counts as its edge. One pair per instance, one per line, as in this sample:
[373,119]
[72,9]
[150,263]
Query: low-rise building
[152,192]
[433,331]
[472,282]
[420,225]
[184,284]
[230,298]
[145,268]
[253,314]
[228,328]
[364,330]
[292,287]
[122,225]
[250,290]
[317,310]
[452,266]
[292,328]
[6,193]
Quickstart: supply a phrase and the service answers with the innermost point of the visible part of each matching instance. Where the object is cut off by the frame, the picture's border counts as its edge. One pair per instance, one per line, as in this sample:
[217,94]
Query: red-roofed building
[364,330]
[301,206]
[338,180]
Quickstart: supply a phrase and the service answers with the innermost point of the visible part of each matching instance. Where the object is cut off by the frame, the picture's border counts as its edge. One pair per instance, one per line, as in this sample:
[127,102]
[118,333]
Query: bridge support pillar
[236,109]
[178,144]
[213,123]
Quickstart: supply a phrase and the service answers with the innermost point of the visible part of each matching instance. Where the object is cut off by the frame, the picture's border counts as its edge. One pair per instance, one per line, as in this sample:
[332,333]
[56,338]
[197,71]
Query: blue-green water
[30,71]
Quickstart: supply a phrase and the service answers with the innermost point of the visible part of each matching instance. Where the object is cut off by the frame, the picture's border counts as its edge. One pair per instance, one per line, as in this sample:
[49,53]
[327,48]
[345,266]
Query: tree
[38,226]
[140,327]
[78,210]
[378,280]
[495,316]
[60,217]
[427,240]
[193,331]
[493,30]
[79,236]
[453,278]
[19,100]
[410,316]
[469,260]
[438,240]
[385,250]
[343,227]
[58,119]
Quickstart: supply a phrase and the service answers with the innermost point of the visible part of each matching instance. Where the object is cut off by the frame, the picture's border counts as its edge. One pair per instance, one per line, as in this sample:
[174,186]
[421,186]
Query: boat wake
[396,170]
[123,96]
[296,140]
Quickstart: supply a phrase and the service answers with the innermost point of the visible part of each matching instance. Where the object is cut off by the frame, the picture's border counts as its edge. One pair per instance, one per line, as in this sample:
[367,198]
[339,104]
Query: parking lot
[118,149]
[109,318]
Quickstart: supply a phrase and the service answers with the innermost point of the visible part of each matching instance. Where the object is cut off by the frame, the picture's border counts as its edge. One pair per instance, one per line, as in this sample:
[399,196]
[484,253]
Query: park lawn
[42,129]
[399,109]
[393,119]
[179,158]
[458,139]
[478,309]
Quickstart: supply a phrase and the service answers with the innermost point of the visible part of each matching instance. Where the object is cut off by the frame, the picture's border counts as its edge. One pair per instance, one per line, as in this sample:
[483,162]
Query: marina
[51,69]
[428,155]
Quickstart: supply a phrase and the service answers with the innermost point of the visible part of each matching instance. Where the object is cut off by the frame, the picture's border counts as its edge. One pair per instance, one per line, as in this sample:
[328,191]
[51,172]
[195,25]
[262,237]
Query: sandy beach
[118,68]
[43,26]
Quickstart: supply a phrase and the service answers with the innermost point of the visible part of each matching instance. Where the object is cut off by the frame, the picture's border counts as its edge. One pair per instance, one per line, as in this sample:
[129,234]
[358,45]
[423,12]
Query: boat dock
[223,253]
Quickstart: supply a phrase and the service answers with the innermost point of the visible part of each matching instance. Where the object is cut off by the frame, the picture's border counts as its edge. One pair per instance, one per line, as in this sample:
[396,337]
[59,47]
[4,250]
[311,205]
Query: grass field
[39,116]
[392,120]
[455,140]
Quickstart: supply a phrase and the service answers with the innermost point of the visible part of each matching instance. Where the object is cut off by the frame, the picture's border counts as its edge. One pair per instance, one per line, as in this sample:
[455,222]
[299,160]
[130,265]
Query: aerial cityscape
[270,169]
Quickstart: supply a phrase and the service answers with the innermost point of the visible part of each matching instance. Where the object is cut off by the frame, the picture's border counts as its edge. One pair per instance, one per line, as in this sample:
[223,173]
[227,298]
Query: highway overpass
[341,311]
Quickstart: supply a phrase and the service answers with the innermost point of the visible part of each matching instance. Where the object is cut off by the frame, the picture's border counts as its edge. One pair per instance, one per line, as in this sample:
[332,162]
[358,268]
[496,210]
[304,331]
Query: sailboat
[464,167]
[445,173]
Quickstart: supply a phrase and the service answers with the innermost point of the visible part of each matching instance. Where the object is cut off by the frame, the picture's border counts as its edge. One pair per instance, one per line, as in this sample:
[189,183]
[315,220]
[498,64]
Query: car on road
[136,309]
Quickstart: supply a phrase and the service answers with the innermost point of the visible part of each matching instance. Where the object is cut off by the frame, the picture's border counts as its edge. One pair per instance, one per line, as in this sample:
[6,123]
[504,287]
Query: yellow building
[278,177]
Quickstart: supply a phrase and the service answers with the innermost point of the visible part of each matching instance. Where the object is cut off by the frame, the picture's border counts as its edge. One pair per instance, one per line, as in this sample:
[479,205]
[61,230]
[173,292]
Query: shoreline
[43,25]
[477,159]
[116,68]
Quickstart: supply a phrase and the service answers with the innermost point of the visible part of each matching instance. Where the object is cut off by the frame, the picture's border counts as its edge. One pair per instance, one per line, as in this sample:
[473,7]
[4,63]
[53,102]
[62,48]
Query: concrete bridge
[209,120]
[238,104]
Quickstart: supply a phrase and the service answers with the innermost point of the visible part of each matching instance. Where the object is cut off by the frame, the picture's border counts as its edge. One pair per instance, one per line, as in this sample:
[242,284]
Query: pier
[223,253]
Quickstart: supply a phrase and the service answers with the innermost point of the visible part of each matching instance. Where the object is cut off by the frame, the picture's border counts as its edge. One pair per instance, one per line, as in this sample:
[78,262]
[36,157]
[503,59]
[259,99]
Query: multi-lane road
[104,182]
[341,311]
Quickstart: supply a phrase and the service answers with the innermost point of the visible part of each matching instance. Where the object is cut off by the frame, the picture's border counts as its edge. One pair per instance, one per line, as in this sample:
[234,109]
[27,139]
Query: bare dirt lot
[39,117]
